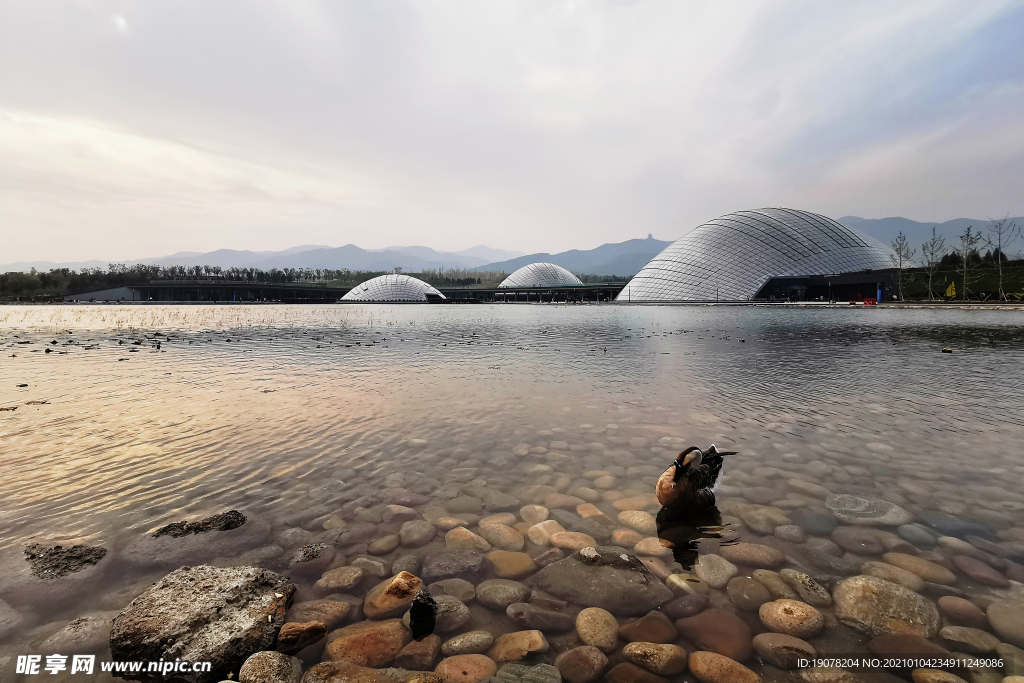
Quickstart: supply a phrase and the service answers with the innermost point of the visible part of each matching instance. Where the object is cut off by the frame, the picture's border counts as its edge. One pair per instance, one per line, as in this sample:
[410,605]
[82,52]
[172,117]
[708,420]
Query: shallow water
[288,412]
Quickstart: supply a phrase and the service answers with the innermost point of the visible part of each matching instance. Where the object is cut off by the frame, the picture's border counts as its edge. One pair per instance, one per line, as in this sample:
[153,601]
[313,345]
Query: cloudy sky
[134,129]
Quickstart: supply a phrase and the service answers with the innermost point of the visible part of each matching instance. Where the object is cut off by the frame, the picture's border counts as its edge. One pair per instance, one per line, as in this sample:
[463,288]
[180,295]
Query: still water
[135,417]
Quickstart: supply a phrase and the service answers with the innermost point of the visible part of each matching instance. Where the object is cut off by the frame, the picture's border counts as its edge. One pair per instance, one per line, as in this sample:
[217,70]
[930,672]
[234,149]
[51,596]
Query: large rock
[270,667]
[880,608]
[870,511]
[604,577]
[369,643]
[49,573]
[202,545]
[203,614]
[89,633]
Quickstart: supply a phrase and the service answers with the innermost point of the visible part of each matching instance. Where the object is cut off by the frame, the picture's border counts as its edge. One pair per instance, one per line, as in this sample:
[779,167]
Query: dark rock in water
[531,617]
[549,557]
[686,606]
[52,563]
[590,527]
[605,577]
[514,672]
[812,522]
[919,535]
[406,563]
[174,551]
[295,636]
[948,525]
[225,521]
[453,564]
[422,616]
[762,495]
[810,557]
[203,614]
[89,634]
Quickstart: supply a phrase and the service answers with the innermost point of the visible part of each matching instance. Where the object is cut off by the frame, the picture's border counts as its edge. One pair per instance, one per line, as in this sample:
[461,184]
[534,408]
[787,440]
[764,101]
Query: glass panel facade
[393,287]
[732,257]
[541,275]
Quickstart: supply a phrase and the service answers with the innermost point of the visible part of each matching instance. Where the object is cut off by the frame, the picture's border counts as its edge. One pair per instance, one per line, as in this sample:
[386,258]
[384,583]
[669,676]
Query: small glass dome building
[392,287]
[751,254]
[541,275]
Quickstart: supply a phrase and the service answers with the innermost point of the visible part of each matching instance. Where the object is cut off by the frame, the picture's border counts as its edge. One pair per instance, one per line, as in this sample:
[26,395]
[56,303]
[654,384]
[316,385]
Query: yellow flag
[951,290]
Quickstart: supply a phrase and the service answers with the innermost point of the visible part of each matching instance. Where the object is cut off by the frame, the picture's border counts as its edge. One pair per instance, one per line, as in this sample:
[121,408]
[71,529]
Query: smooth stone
[627,672]
[714,570]
[710,667]
[460,589]
[372,566]
[929,571]
[825,562]
[657,566]
[686,606]
[809,590]
[643,502]
[391,597]
[512,647]
[686,584]
[470,643]
[449,523]
[967,639]
[640,521]
[807,488]
[461,538]
[340,579]
[341,671]
[653,547]
[514,672]
[270,667]
[453,564]
[980,572]
[949,525]
[878,607]
[533,514]
[502,537]
[498,594]
[540,533]
[889,572]
[718,631]
[761,495]
[419,655]
[653,627]
[563,501]
[451,614]
[792,618]
[1007,620]
[598,627]
[511,565]
[461,504]
[776,584]
[369,643]
[813,522]
[753,555]
[857,540]
[781,650]
[792,533]
[581,664]
[662,659]
[416,533]
[905,645]
[917,534]
[747,593]
[295,637]
[530,617]
[626,538]
[465,668]
[604,577]
[571,540]
[962,612]
[867,511]
[398,513]
[328,612]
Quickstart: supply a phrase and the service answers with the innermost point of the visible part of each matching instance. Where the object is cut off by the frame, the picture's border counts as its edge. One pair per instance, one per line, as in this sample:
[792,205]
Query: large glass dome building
[393,288]
[764,254]
[541,275]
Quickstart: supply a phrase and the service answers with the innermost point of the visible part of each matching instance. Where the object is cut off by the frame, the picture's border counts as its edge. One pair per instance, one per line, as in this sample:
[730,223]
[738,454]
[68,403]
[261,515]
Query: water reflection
[685,529]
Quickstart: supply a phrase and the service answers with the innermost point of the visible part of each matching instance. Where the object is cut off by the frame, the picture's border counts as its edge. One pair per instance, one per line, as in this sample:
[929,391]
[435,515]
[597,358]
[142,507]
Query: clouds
[528,125]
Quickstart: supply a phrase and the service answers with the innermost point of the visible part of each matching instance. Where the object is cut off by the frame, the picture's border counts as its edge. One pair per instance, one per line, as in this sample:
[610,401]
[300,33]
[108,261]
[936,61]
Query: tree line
[960,270]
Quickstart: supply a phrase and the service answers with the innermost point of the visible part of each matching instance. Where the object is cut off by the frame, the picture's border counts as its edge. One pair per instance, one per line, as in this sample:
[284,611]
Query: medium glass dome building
[392,287]
[762,254]
[541,275]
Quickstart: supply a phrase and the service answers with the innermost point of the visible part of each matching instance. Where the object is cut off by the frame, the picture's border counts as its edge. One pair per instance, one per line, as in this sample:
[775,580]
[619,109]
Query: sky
[138,129]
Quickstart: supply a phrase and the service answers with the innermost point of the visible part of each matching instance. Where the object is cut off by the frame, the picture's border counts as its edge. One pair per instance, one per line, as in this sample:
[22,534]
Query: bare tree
[933,250]
[902,257]
[1001,235]
[968,249]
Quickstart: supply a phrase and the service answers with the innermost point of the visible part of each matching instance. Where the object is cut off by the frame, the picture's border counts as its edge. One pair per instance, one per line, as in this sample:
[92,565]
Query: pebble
[809,590]
[531,617]
[710,667]
[686,584]
[340,579]
[980,572]
[581,664]
[328,612]
[1007,620]
[456,588]
[781,650]
[498,594]
[812,522]
[506,518]
[571,540]
[626,538]
[639,520]
[502,537]
[662,659]
[415,533]
[369,643]
[949,525]
[514,646]
[533,514]
[653,627]
[627,672]
[967,639]
[449,523]
[918,535]
[270,667]
[461,504]
[714,570]
[635,503]
[540,533]
[383,545]
[465,668]
[686,606]
[775,584]
[747,593]
[461,538]
[563,501]
[419,655]
[792,533]
[653,547]
[753,555]
[453,564]
[469,643]
[511,565]
[929,571]
[718,631]
[962,612]
[858,540]
[791,618]
[867,511]
[889,572]
[878,607]
[291,639]
[391,597]
[598,627]
[902,644]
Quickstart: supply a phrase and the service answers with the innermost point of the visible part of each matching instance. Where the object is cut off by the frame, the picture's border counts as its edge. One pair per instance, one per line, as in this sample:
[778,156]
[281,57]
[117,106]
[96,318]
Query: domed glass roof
[393,287]
[732,257]
[541,275]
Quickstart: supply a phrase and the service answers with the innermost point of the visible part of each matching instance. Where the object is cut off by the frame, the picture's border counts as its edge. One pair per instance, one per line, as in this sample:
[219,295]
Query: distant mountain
[489,254]
[621,258]
[885,230]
